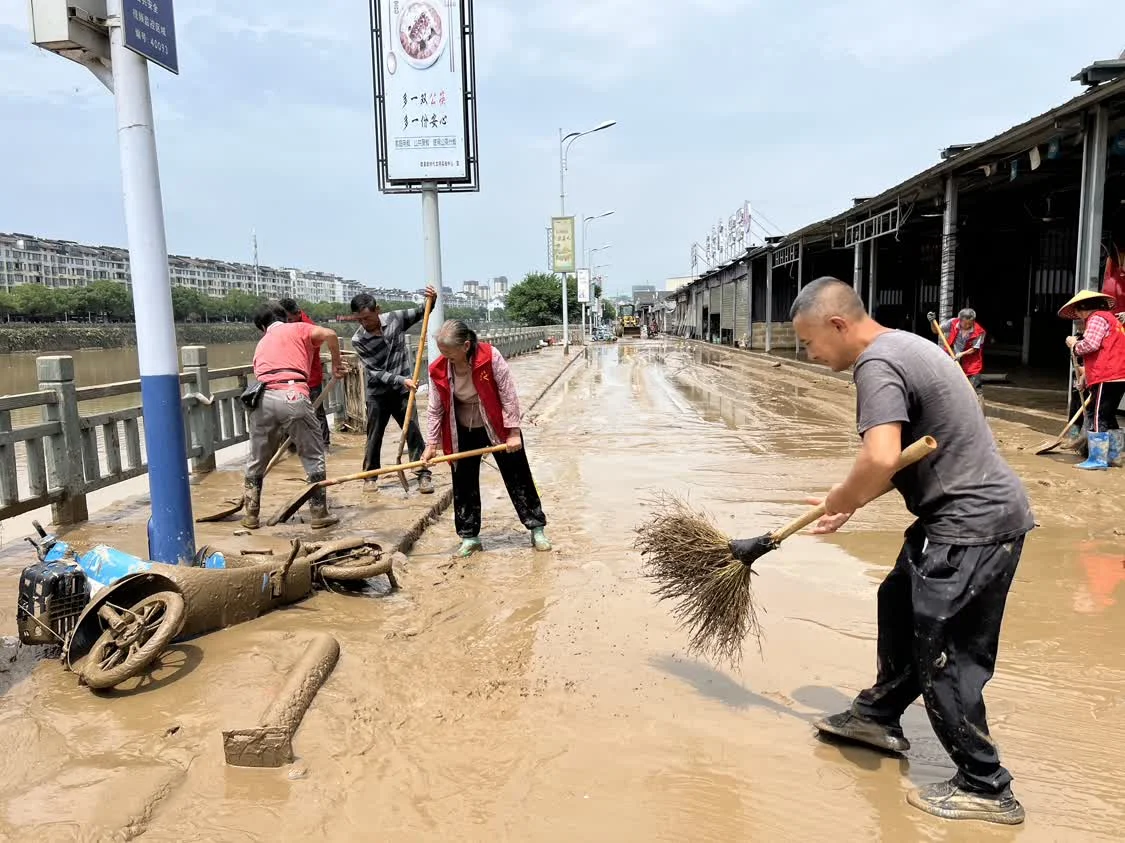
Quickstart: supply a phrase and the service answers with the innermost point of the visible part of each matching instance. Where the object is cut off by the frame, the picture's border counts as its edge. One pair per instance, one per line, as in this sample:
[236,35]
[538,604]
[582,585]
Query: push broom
[691,562]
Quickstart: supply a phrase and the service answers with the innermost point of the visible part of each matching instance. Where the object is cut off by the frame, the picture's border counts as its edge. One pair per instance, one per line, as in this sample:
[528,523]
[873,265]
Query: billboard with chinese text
[425,105]
[562,242]
[583,286]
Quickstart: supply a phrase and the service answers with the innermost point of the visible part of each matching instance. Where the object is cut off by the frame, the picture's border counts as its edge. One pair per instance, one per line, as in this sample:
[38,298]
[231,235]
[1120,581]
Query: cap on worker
[1096,299]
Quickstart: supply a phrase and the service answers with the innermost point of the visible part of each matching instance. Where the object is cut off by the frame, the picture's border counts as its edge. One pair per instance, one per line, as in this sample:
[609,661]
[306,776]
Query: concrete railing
[69,454]
[511,342]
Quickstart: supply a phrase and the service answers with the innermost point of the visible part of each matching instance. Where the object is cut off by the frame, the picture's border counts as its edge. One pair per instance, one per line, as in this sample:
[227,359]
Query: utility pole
[257,276]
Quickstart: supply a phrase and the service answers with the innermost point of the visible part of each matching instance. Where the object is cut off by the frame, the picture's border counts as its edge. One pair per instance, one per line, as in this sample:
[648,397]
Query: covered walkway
[1011,226]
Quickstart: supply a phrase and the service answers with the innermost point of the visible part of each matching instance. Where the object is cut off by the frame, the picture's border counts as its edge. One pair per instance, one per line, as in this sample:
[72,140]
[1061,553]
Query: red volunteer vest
[1108,362]
[973,364]
[485,383]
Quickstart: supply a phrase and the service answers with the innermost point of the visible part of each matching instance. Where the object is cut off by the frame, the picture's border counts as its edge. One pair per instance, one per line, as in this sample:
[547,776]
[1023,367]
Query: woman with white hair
[473,404]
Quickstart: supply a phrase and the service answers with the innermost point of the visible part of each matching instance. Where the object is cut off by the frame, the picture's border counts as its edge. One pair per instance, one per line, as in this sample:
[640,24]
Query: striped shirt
[384,355]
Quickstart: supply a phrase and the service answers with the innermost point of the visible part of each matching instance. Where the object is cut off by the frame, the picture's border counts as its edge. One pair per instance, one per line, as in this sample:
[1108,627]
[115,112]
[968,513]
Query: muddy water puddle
[518,695]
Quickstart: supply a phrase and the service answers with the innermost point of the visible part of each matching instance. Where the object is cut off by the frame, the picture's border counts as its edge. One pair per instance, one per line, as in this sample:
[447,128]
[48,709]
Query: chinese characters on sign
[727,240]
[583,286]
[149,29]
[562,239]
[420,55]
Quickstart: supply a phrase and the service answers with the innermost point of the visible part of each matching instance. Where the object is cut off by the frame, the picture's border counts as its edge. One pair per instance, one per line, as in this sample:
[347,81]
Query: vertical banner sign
[149,30]
[424,67]
[583,286]
[562,240]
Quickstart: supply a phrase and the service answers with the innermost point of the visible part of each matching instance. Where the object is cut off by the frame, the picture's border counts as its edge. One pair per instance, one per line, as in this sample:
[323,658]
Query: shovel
[414,392]
[235,506]
[1051,444]
[288,510]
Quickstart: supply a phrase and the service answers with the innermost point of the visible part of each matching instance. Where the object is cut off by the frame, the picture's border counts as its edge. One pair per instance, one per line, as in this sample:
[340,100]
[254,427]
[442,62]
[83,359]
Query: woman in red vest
[1102,349]
[473,404]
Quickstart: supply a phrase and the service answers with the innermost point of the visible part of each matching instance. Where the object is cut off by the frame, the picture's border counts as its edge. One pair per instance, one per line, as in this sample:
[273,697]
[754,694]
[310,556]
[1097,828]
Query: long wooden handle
[913,453]
[1074,419]
[316,406]
[949,349]
[395,469]
[937,326]
[1081,389]
[417,374]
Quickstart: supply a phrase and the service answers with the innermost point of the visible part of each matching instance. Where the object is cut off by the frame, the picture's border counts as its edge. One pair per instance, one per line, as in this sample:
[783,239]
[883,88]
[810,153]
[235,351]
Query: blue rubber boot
[1098,447]
[1116,446]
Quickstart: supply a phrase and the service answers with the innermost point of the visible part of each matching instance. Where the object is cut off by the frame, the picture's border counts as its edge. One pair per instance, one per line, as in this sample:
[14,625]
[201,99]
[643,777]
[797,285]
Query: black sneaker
[856,727]
[950,802]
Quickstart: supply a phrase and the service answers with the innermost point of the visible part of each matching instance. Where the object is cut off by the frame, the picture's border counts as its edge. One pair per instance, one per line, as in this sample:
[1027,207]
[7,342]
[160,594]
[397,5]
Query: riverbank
[74,336]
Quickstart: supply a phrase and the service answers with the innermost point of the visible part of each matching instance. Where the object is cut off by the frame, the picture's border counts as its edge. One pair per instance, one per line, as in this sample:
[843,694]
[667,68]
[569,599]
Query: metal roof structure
[1063,119]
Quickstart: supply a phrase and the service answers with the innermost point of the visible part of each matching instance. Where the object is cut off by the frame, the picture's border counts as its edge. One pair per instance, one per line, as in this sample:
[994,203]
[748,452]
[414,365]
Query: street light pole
[590,258]
[564,145]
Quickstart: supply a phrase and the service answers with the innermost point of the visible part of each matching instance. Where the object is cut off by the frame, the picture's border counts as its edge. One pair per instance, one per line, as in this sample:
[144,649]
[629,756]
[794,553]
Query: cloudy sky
[794,106]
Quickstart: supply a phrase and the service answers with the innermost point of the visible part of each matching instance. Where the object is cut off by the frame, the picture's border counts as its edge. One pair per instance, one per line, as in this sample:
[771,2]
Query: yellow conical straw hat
[1067,310]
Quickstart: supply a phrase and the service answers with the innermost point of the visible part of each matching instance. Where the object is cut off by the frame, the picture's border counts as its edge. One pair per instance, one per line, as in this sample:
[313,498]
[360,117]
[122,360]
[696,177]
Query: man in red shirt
[294,313]
[281,363]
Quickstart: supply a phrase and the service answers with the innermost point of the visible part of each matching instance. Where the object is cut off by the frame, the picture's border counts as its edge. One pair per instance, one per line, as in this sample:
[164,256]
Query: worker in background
[1102,349]
[316,368]
[941,606]
[966,337]
[380,342]
[281,363]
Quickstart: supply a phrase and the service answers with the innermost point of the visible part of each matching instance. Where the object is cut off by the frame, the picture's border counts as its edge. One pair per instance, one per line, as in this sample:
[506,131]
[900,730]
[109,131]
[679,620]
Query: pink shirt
[287,346]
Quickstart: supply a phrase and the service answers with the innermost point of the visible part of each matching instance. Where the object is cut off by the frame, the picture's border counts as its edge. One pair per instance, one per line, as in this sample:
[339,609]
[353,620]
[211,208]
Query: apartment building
[25,259]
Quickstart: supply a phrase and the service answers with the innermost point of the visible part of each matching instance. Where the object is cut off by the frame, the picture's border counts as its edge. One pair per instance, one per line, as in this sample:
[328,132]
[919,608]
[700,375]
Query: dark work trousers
[466,484]
[322,417]
[1101,412]
[940,610]
[381,408]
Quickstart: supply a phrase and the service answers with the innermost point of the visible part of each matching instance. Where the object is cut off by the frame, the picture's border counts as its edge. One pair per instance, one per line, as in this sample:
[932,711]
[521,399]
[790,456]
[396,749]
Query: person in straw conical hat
[1102,351]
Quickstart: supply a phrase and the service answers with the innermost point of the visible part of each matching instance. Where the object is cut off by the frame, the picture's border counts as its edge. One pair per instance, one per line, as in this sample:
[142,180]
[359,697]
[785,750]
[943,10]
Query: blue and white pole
[171,532]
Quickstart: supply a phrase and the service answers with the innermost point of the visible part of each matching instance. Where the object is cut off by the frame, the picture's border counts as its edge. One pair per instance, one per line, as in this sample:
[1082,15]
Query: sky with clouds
[794,106]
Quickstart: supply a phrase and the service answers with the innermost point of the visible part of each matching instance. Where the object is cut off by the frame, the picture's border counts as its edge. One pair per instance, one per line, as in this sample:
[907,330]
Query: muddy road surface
[524,696]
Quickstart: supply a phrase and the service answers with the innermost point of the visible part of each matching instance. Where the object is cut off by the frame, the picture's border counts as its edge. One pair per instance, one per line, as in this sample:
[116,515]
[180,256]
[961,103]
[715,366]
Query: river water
[103,365]
[92,367]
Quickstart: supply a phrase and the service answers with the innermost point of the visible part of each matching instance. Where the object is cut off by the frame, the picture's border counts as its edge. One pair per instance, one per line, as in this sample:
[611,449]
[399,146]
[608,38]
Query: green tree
[187,304]
[239,306]
[34,301]
[110,299]
[537,299]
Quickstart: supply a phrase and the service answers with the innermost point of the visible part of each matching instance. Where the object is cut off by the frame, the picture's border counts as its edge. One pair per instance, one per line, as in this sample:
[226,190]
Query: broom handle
[919,449]
[1074,419]
[395,469]
[417,374]
[316,406]
[948,348]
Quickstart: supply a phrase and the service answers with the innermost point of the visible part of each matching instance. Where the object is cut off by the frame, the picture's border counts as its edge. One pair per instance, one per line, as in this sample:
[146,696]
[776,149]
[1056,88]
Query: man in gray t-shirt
[941,607]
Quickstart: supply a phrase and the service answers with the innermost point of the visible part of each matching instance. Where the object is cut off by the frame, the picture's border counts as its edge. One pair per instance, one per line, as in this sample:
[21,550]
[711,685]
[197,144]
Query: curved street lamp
[564,144]
[586,222]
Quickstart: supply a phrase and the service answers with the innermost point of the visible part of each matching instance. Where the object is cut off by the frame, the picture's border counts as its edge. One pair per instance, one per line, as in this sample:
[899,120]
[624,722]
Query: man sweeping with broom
[941,607]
